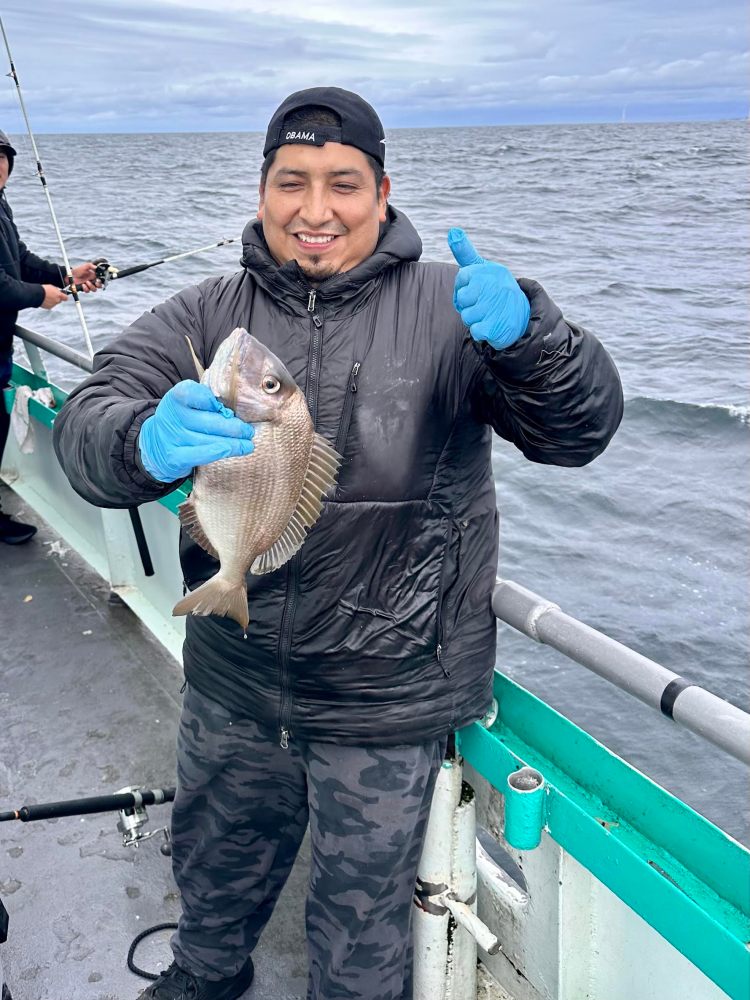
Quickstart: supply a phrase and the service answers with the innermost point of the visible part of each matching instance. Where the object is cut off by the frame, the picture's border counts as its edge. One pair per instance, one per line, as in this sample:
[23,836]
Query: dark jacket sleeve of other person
[22,273]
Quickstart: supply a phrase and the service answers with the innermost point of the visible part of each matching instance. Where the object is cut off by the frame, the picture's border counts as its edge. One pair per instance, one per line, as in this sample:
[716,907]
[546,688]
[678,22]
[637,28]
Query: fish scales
[253,512]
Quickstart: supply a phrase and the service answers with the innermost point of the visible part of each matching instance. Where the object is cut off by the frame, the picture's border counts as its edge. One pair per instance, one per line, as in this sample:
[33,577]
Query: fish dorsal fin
[189,521]
[320,479]
[198,366]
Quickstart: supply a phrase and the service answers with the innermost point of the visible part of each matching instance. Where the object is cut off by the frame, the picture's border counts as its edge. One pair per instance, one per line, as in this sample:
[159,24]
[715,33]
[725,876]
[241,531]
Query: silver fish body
[253,512]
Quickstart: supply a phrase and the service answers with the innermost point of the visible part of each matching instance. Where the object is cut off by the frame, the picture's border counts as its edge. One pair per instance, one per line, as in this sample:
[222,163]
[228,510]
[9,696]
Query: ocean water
[639,232]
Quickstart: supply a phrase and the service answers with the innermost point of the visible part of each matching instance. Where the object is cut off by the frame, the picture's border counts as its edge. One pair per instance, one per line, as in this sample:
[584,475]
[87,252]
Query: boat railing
[35,341]
[723,724]
[690,705]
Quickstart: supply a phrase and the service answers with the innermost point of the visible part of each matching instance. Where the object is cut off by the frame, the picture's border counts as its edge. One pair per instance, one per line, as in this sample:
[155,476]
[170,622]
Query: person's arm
[39,271]
[15,294]
[555,393]
[34,270]
[97,432]
[544,384]
[27,291]
[46,272]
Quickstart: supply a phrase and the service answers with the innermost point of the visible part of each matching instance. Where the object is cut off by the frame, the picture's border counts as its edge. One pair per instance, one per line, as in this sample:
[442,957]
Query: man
[25,280]
[377,640]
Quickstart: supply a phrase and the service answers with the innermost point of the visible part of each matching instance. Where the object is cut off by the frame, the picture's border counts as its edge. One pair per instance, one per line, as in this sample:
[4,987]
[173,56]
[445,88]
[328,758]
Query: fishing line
[73,290]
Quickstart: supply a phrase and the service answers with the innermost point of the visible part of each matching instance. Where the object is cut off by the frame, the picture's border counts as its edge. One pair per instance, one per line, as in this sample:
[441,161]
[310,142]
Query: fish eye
[270,384]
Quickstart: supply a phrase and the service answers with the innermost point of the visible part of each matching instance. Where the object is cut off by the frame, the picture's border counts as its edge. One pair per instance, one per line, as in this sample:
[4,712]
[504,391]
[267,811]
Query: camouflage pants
[240,813]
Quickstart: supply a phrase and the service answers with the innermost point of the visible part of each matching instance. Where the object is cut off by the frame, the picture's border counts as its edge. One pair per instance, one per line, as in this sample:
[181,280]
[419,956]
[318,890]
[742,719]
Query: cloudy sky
[183,65]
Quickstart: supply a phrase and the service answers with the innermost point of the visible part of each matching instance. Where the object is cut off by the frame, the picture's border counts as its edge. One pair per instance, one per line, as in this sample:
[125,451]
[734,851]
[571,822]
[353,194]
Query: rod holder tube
[463,889]
[524,809]
[430,916]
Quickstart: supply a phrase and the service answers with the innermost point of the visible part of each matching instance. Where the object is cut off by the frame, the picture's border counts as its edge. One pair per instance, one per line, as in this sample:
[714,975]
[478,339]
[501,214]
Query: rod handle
[92,804]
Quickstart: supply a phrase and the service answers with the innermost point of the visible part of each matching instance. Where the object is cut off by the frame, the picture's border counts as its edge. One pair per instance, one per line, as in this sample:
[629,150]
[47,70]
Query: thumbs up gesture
[487,296]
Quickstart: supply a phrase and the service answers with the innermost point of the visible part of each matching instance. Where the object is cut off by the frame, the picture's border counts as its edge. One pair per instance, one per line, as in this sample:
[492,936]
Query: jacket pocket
[371,583]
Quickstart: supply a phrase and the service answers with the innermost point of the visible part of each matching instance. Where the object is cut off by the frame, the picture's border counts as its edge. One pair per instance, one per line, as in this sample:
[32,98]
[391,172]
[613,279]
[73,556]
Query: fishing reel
[133,817]
[105,271]
[130,803]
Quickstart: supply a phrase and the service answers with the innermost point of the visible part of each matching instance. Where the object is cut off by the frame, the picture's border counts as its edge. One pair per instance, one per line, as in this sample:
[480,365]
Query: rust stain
[606,823]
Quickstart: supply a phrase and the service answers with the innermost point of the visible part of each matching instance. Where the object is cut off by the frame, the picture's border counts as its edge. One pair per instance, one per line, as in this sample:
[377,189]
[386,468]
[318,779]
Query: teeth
[314,239]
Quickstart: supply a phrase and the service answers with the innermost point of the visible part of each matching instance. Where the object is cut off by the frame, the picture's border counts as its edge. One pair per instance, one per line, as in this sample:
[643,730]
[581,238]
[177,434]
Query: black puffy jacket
[380,630]
[22,275]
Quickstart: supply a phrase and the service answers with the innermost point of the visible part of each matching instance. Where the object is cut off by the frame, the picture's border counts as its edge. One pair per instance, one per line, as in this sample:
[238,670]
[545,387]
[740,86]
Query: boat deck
[90,704]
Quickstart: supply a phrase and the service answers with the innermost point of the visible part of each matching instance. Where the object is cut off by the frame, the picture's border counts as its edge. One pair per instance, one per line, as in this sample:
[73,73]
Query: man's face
[319,206]
[4,169]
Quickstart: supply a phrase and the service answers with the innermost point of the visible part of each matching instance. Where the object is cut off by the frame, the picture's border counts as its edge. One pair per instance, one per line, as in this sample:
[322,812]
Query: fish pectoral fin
[189,520]
[198,366]
[320,479]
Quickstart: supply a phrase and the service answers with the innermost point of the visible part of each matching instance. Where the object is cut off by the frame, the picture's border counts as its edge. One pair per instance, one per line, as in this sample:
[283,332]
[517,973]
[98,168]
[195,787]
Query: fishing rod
[129,802]
[107,272]
[69,280]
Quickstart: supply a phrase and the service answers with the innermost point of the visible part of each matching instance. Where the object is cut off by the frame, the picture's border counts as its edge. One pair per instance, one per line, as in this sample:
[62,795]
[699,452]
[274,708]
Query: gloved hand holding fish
[190,427]
[487,296]
[252,512]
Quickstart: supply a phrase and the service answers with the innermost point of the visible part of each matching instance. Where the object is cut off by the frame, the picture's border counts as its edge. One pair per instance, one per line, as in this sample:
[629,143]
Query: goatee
[311,269]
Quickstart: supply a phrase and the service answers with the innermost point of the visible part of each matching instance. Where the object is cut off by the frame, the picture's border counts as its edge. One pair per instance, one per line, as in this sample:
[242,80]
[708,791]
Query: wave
[681,412]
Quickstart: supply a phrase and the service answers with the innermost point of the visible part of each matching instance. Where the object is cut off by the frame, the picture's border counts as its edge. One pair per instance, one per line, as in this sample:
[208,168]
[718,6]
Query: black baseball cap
[360,125]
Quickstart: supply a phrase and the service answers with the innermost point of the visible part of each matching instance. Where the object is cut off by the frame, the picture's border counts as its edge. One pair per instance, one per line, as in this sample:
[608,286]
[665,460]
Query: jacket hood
[398,242]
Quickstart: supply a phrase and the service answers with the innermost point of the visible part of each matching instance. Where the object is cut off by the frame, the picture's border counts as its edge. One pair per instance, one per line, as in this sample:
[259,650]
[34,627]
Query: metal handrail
[718,721]
[53,347]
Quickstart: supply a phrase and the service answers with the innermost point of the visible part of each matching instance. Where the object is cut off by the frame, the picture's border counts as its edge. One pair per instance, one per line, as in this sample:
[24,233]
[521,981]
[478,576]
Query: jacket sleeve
[15,294]
[555,393]
[35,270]
[96,431]
[38,270]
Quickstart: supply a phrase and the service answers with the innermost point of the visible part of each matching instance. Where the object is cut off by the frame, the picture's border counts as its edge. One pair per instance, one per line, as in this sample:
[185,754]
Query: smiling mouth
[315,242]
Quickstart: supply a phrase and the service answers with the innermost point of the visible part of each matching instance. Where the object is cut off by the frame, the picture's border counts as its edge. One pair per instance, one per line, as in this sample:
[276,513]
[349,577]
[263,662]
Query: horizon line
[405,128]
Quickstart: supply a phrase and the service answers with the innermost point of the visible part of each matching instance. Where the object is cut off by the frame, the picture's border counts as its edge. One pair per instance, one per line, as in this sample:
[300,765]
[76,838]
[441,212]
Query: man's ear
[261,200]
[383,193]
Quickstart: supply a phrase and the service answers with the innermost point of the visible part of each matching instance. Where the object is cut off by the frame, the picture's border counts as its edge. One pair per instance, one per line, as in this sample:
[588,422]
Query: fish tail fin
[217,596]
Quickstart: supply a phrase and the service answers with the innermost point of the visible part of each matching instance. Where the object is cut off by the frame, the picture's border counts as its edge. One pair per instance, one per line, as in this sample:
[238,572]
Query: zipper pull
[355,372]
[284,739]
[311,301]
[439,656]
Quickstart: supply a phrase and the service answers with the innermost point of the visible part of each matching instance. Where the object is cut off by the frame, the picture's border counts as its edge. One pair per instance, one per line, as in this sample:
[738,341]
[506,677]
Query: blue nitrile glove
[190,427]
[487,297]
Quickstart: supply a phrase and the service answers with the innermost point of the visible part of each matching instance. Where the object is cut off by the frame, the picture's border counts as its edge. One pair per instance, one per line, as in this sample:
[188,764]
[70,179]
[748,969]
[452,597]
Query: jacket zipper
[292,588]
[313,375]
[346,413]
[441,590]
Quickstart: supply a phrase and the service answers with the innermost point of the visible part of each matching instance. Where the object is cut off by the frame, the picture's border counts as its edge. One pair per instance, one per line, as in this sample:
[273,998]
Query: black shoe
[14,532]
[178,984]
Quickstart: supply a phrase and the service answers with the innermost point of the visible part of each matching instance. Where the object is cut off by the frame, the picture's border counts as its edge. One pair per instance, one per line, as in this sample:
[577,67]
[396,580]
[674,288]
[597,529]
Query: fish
[253,512]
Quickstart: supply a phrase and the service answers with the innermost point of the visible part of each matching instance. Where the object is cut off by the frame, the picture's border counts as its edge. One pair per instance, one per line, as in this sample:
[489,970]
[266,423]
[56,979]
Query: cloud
[191,66]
